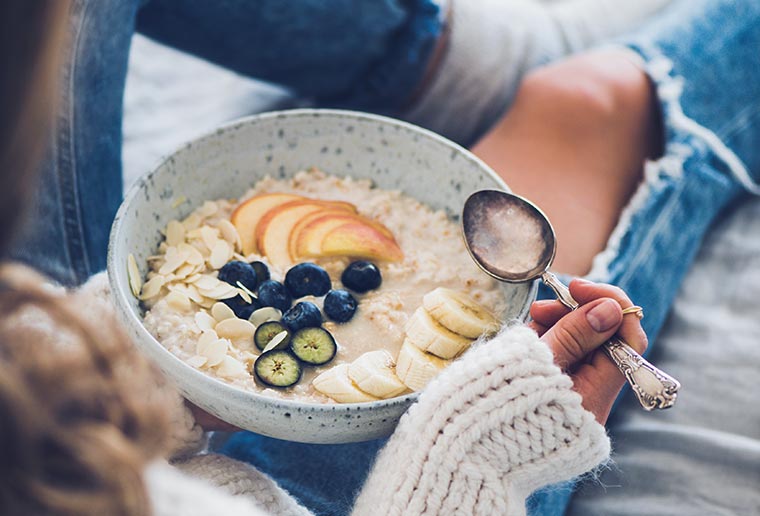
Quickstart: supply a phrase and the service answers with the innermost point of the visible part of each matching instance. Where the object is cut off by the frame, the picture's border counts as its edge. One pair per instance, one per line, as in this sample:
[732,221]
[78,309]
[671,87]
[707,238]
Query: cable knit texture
[492,428]
[497,424]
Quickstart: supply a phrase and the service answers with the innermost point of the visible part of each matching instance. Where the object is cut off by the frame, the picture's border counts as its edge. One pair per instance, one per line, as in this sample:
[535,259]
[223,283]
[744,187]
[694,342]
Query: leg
[66,234]
[581,130]
[367,55]
[574,142]
[705,161]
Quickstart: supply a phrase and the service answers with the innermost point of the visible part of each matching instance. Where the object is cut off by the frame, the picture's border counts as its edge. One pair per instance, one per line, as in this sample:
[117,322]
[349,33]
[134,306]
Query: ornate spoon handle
[654,388]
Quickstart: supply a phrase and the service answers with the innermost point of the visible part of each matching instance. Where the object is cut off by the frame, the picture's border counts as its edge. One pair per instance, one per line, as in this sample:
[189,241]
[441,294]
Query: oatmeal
[388,278]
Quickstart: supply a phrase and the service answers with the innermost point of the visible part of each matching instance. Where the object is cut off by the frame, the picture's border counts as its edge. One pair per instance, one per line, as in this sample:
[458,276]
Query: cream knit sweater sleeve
[494,426]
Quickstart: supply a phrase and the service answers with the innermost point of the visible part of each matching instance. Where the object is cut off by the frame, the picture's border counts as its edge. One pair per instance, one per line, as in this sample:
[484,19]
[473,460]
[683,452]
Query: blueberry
[303,315]
[340,305]
[262,271]
[236,271]
[241,307]
[361,276]
[307,279]
[273,293]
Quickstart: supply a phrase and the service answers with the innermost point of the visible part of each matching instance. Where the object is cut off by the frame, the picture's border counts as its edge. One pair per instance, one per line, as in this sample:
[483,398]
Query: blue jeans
[341,53]
[701,56]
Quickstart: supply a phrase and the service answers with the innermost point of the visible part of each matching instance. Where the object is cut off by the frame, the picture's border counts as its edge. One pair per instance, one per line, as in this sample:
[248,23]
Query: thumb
[583,330]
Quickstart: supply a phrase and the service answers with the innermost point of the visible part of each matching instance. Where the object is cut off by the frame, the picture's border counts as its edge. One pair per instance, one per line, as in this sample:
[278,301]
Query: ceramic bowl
[395,155]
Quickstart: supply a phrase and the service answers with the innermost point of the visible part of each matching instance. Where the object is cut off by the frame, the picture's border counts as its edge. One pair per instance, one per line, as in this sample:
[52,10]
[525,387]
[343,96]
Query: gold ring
[636,310]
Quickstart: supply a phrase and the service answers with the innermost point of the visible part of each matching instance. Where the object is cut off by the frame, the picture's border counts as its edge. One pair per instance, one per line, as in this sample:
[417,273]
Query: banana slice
[415,367]
[424,332]
[459,313]
[373,373]
[336,384]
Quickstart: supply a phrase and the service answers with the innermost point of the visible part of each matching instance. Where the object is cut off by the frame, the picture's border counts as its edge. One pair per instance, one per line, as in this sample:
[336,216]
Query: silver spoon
[512,240]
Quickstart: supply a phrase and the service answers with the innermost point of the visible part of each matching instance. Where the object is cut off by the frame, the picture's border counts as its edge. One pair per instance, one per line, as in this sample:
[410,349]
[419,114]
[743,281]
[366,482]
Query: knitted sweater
[497,424]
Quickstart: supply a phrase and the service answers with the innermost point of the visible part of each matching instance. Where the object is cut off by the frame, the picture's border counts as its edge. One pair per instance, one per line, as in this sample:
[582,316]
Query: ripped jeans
[703,57]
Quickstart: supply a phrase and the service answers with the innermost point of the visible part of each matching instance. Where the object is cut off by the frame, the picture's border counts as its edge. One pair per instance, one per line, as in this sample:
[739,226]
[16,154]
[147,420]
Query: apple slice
[247,216]
[308,241]
[305,222]
[266,220]
[361,239]
[273,232]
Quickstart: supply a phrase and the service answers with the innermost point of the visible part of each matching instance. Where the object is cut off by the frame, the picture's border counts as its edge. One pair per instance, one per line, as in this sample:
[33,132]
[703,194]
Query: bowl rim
[120,291]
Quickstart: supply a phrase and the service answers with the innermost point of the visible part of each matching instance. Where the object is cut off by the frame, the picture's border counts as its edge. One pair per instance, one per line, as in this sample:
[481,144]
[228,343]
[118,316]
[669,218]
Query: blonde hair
[82,412]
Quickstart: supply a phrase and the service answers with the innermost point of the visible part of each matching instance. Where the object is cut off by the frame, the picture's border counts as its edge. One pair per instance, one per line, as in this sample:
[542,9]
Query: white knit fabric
[494,426]
[494,43]
[497,424]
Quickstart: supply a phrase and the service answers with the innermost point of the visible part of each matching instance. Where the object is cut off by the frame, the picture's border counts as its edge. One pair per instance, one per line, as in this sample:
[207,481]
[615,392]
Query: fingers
[599,381]
[580,332]
[208,422]
[630,331]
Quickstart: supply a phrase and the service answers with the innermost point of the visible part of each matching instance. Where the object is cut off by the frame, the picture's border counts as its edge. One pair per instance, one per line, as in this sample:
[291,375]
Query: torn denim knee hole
[687,139]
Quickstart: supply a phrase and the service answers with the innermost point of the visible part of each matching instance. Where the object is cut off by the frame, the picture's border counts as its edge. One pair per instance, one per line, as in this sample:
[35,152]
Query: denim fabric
[711,158]
[349,53]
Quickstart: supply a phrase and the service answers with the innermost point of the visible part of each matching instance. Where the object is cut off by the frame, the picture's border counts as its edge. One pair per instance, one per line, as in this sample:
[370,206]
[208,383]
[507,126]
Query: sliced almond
[205,340]
[231,368]
[208,209]
[209,236]
[178,301]
[204,321]
[197,361]
[275,341]
[220,312]
[207,282]
[220,254]
[192,255]
[174,259]
[194,234]
[216,351]
[223,291]
[235,329]
[133,274]
[152,287]
[183,272]
[191,222]
[193,278]
[175,233]
[207,303]
[245,295]
[266,314]
[245,289]
[230,234]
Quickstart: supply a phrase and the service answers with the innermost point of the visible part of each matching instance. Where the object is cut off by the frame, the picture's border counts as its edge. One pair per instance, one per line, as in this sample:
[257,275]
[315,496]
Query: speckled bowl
[227,162]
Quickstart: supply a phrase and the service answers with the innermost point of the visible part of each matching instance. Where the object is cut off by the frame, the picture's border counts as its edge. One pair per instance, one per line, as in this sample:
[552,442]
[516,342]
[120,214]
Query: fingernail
[604,316]
[582,281]
[543,302]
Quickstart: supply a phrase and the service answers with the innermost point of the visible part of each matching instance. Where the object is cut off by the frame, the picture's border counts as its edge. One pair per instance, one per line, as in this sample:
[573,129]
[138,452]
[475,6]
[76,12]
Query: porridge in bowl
[318,288]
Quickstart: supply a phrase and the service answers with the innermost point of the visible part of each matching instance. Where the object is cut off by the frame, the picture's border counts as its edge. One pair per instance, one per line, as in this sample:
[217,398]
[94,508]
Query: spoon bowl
[509,237]
[512,240]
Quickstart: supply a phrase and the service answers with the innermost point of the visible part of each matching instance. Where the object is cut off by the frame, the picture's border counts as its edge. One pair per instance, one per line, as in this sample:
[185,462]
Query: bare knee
[585,94]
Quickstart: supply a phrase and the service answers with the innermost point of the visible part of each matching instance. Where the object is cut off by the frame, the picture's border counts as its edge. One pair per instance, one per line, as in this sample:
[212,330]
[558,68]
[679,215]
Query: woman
[85,418]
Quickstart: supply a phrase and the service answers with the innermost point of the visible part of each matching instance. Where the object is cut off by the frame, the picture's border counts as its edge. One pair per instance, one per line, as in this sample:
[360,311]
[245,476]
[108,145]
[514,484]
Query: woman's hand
[208,422]
[575,337]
